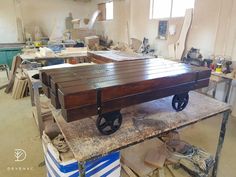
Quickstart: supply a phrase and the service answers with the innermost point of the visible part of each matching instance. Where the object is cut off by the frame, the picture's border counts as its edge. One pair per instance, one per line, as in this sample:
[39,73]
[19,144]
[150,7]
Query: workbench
[226,78]
[81,56]
[34,85]
[141,122]
[101,57]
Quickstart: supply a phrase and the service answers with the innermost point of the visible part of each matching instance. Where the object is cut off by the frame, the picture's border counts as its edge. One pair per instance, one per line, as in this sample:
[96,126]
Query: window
[169,8]
[106,11]
[109,10]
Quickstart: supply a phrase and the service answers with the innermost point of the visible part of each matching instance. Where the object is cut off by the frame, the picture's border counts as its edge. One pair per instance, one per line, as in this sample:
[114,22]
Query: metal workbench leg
[220,142]
[82,169]
[39,119]
[214,92]
[229,85]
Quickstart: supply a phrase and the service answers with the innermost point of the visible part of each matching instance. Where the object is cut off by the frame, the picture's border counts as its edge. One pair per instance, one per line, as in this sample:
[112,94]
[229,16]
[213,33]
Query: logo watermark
[20,155]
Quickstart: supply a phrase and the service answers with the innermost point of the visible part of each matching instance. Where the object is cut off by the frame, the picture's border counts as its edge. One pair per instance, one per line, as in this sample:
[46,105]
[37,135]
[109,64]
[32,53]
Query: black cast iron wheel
[180,101]
[109,123]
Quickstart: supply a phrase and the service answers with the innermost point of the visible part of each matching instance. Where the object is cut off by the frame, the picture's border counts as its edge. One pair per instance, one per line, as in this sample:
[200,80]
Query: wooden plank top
[140,122]
[118,56]
[37,56]
[85,80]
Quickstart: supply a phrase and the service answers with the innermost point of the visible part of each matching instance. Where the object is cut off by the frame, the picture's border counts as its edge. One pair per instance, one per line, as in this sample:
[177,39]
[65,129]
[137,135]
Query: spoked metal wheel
[180,101]
[109,123]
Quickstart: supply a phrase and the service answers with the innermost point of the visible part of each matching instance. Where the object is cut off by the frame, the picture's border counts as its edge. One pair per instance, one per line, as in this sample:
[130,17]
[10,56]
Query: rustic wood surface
[118,85]
[140,122]
[116,56]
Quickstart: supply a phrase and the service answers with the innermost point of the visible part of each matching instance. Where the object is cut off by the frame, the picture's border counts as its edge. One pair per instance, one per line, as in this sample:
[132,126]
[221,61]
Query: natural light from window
[160,9]
[180,6]
[109,10]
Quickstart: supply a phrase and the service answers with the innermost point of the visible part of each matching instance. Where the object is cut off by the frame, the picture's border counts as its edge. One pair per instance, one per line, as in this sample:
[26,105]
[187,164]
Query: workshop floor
[18,131]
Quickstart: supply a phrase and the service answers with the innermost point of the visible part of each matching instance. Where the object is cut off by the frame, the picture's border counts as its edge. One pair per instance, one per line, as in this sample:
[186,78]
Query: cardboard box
[91,41]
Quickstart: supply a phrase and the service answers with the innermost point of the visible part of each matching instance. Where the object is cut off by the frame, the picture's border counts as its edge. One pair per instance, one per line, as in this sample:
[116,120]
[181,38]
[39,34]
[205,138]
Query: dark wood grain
[115,89]
[76,90]
[73,72]
[74,114]
[92,78]
[55,72]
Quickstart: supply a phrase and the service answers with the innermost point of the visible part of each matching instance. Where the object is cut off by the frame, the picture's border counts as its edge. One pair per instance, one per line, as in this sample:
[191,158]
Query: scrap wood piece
[181,43]
[161,172]
[19,86]
[15,64]
[177,172]
[177,49]
[156,157]
[128,171]
[134,157]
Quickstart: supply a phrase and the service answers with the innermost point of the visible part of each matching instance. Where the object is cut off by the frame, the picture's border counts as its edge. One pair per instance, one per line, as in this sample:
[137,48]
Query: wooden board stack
[20,86]
[81,92]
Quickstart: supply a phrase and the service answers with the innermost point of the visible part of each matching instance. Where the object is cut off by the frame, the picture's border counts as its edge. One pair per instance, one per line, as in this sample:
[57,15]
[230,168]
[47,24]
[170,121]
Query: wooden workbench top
[140,122]
[116,56]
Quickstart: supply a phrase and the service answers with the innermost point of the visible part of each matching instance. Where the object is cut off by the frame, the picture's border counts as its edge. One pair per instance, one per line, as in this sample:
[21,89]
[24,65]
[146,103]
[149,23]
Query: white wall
[43,13]
[141,26]
[116,29]
[8,29]
[213,29]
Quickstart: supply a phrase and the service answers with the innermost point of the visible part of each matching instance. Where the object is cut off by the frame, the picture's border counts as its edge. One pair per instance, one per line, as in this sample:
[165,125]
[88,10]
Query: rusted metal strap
[99,101]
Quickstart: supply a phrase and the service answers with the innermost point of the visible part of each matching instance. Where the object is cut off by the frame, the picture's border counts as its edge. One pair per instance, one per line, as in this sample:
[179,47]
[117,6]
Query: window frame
[151,14]
[112,11]
[103,8]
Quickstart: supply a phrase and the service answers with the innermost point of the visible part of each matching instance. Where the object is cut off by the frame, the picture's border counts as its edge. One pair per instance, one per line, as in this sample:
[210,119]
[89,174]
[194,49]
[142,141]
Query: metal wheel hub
[180,101]
[109,123]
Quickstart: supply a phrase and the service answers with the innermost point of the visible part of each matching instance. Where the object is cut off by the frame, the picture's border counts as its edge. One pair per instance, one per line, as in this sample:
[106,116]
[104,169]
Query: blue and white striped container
[107,166]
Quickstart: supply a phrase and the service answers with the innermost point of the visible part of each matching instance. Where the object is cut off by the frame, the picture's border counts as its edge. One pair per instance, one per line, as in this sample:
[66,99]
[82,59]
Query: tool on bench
[105,89]
[228,68]
[207,62]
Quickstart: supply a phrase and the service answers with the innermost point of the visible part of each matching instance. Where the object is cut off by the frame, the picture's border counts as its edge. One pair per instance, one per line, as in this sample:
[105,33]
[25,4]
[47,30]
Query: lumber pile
[15,64]
[20,86]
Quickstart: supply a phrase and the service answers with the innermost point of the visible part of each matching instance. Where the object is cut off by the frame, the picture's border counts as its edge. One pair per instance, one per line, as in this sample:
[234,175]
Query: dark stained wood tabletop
[78,90]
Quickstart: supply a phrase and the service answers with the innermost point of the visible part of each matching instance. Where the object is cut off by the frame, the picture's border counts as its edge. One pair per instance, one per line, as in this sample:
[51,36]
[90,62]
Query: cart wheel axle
[180,101]
[109,123]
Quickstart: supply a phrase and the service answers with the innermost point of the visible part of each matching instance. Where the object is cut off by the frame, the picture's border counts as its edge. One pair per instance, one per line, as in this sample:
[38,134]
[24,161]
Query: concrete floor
[18,131]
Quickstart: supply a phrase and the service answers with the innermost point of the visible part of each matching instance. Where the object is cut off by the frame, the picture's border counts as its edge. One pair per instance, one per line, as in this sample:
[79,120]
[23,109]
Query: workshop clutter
[169,156]
[60,161]
[20,86]
[219,64]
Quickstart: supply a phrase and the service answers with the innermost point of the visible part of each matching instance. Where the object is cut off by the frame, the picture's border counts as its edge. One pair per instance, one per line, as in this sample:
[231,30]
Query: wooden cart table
[141,122]
[105,89]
